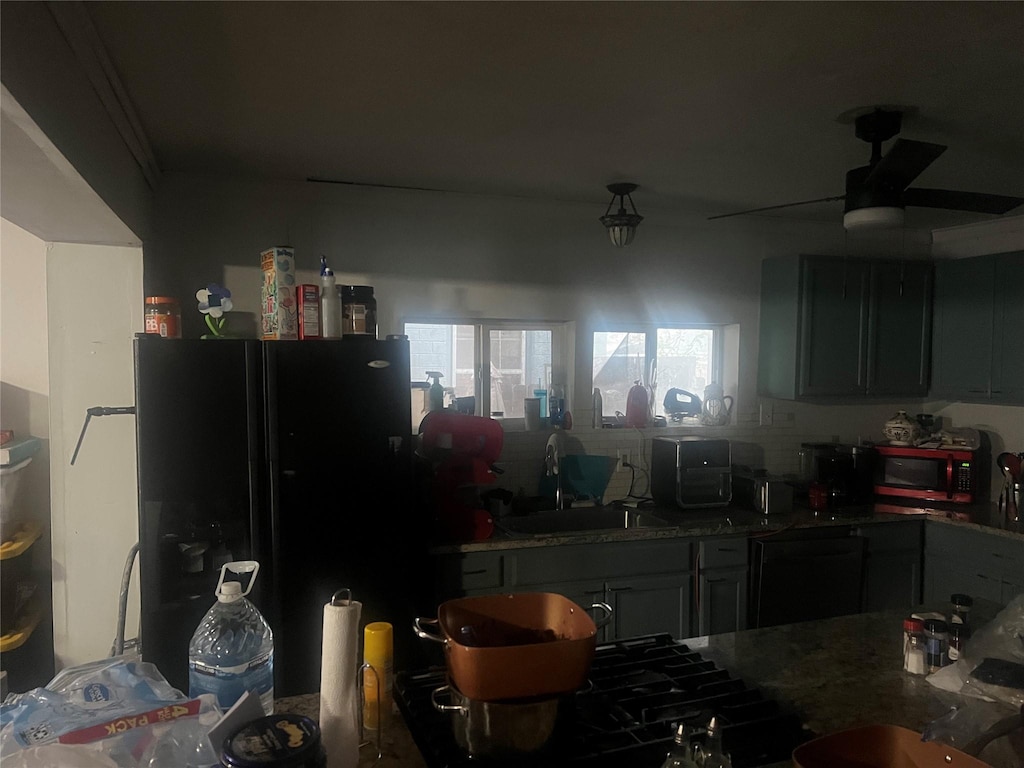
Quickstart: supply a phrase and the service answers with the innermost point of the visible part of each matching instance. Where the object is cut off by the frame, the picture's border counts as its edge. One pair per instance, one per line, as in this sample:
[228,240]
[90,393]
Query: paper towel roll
[339,694]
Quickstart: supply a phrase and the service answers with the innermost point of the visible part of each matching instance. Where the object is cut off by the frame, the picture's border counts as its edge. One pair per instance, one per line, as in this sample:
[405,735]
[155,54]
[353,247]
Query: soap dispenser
[330,303]
[435,395]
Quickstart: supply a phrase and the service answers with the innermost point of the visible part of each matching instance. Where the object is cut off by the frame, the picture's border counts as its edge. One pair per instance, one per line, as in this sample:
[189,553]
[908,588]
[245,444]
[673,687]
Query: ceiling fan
[877,193]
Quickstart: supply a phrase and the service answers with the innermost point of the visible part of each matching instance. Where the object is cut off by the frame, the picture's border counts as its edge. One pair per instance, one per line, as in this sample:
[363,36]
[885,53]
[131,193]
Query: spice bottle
[961,605]
[163,316]
[957,639]
[913,646]
[936,638]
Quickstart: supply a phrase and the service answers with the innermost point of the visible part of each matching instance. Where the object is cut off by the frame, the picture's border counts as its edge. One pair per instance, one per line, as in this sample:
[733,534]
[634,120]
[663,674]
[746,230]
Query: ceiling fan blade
[976,202]
[903,163]
[776,207]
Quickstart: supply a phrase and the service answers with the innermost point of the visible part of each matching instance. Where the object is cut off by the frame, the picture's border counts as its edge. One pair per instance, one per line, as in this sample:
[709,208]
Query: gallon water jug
[232,650]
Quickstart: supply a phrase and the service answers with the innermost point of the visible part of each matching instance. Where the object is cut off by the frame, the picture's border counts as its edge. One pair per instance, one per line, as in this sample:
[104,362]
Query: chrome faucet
[552,454]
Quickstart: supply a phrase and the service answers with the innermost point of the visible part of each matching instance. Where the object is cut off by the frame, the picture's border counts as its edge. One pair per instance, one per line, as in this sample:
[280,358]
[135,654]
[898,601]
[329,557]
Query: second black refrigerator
[296,454]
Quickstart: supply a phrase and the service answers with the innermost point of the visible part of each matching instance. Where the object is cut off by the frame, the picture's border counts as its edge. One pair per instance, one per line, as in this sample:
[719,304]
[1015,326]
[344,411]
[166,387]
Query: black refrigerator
[295,454]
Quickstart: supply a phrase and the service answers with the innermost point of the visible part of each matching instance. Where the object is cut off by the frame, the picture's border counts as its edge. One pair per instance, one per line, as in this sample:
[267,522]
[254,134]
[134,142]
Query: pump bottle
[330,303]
[435,395]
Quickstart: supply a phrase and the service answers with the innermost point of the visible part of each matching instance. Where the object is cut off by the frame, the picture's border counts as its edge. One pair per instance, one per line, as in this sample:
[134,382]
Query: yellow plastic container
[378,653]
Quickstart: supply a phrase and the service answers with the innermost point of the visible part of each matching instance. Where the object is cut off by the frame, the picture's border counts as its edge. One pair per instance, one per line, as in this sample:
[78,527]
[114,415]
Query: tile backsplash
[773,448]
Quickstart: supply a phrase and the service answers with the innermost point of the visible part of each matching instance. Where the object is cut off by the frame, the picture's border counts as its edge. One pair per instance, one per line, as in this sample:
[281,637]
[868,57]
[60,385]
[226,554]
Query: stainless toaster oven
[691,472]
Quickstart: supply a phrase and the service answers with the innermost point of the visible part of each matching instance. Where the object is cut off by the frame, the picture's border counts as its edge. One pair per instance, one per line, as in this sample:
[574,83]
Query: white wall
[94,296]
[443,255]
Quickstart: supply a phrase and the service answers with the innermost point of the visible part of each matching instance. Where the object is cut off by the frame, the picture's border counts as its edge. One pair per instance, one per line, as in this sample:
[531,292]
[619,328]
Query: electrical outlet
[623,455]
[767,413]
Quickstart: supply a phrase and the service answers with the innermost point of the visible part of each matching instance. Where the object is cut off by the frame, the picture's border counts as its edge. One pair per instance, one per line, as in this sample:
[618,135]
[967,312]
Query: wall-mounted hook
[99,410]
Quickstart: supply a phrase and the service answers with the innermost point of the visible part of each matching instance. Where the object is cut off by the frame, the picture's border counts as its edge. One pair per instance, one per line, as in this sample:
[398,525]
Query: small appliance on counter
[463,450]
[757,490]
[691,472]
[845,470]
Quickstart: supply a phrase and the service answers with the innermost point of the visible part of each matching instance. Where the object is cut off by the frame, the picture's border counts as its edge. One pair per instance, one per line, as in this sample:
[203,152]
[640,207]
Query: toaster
[691,472]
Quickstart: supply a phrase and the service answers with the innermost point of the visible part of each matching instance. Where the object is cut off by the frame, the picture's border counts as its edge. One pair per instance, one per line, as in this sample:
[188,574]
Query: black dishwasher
[806,575]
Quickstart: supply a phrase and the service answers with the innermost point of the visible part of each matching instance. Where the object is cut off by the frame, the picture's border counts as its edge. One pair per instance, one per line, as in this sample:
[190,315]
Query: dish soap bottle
[435,395]
[232,649]
[330,303]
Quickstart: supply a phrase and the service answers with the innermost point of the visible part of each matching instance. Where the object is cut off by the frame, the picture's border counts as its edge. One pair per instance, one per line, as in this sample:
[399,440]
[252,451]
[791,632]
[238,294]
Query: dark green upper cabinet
[834,327]
[978,346]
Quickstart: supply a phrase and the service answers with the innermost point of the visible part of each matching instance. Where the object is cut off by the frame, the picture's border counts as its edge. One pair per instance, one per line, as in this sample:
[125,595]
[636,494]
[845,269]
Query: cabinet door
[1008,333]
[962,332]
[945,576]
[893,580]
[723,601]
[899,328]
[650,604]
[833,327]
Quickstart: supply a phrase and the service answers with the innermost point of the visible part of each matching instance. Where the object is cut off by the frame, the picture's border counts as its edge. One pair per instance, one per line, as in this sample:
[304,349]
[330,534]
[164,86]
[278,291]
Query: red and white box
[309,311]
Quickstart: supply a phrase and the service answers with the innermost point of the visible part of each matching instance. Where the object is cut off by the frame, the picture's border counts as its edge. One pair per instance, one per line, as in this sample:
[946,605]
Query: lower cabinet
[892,565]
[971,562]
[722,584]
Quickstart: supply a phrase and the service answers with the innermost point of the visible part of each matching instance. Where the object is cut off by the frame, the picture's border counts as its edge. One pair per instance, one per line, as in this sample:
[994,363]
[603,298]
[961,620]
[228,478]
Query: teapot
[716,411]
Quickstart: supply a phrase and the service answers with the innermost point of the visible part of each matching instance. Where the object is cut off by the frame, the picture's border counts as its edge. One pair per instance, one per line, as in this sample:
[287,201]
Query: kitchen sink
[581,519]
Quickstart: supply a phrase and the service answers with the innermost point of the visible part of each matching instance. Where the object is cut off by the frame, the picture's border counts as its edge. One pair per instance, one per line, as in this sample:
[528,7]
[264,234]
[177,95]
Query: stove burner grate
[641,689]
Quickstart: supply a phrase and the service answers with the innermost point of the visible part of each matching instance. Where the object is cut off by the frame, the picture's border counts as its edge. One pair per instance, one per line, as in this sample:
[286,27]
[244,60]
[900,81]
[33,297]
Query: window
[499,363]
[680,358]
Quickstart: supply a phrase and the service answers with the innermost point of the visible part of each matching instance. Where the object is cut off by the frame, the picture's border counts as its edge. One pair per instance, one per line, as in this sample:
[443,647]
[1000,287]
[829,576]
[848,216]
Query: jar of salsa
[163,317]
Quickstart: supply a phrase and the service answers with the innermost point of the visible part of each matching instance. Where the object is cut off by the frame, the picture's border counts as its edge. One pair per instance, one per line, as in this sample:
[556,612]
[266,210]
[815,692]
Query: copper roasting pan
[526,645]
[880,746]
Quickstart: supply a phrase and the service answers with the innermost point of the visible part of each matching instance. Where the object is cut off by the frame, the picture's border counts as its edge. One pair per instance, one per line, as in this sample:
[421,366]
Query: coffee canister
[358,311]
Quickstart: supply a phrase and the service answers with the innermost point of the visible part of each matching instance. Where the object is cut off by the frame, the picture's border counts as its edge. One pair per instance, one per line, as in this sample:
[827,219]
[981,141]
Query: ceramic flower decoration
[214,301]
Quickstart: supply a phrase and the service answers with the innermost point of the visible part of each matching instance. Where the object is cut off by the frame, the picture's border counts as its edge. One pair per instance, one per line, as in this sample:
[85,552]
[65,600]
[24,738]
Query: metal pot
[525,645]
[496,729]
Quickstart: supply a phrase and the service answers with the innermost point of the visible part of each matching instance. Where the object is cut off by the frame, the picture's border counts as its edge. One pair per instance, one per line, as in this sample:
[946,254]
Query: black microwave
[931,474]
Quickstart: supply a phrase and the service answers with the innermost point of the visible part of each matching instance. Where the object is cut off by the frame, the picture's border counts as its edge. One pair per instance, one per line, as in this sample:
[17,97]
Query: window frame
[650,331]
[561,339]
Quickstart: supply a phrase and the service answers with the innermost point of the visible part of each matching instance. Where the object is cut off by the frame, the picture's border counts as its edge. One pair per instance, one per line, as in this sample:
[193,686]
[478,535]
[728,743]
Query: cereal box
[280,319]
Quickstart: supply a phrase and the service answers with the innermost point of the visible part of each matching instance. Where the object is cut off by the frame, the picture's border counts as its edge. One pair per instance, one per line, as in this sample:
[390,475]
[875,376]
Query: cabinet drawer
[471,571]
[577,562]
[727,552]
[892,537]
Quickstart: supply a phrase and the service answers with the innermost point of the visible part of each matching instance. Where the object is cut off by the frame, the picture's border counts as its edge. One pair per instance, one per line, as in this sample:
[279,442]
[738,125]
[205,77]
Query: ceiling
[709,107]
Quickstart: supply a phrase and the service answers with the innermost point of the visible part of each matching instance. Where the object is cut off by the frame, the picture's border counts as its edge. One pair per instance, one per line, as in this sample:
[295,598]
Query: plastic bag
[992,664]
[122,709]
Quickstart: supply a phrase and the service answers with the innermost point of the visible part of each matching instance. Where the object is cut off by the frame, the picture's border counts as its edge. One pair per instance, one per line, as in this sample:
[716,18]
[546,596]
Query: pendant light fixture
[621,226]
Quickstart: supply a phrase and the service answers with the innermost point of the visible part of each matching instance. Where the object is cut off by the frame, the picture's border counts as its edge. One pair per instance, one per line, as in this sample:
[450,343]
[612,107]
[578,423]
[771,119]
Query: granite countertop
[835,673]
[730,520]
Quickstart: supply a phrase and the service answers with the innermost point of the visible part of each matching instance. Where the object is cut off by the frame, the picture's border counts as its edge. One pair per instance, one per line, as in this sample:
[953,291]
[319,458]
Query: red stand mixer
[463,450]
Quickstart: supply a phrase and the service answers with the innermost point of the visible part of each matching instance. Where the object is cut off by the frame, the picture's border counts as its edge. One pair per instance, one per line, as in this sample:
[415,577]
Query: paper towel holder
[346,600]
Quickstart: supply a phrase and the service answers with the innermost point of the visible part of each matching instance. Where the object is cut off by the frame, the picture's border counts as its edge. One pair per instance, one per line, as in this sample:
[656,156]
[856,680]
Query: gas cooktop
[640,690]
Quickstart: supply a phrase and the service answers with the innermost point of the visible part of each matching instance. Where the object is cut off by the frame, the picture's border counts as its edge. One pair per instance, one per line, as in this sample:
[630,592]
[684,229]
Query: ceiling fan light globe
[873,217]
[621,227]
